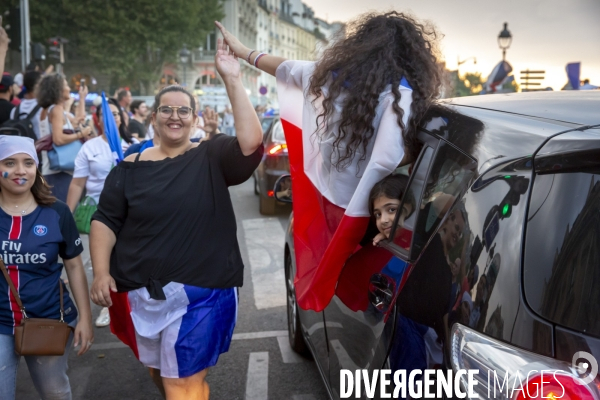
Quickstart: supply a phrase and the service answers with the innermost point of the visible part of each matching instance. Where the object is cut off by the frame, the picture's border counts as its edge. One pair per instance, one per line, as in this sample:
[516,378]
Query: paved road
[259,365]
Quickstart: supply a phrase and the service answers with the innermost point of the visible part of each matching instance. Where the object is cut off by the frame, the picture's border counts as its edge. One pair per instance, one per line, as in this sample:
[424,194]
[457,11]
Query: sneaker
[104,318]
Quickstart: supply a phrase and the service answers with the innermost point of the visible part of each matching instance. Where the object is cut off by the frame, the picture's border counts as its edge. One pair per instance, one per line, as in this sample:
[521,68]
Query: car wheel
[267,205]
[294,333]
[256,192]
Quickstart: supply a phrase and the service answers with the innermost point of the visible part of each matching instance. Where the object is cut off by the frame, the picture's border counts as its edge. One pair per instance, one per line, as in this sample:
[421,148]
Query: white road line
[258,335]
[264,241]
[289,356]
[257,382]
[303,397]
[236,336]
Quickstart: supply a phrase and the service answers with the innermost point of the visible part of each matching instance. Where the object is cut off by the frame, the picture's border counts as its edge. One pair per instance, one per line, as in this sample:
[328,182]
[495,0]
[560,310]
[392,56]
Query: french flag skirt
[181,335]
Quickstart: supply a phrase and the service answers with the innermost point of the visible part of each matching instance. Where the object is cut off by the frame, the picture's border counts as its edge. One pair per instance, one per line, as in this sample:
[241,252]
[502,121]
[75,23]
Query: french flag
[331,212]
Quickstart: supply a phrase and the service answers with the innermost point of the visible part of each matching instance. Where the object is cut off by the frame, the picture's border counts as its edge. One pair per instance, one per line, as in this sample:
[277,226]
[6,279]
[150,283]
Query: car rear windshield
[278,135]
[562,250]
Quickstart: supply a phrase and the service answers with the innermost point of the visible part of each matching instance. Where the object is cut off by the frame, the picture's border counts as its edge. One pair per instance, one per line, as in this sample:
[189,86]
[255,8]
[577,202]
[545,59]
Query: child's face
[384,211]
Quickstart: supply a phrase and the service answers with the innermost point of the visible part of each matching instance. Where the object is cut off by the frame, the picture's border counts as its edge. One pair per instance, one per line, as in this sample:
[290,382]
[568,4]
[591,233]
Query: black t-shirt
[137,127]
[5,108]
[174,220]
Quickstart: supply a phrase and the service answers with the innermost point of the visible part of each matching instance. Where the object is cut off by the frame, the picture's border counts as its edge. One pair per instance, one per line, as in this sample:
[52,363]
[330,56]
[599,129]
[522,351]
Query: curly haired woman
[381,54]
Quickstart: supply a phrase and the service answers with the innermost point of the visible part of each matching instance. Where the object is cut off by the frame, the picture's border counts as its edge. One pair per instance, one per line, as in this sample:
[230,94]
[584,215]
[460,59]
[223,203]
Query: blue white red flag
[498,76]
[111,131]
[331,211]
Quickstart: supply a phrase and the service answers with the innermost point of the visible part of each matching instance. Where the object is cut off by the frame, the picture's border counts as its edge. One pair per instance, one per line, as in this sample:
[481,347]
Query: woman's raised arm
[247,125]
[267,62]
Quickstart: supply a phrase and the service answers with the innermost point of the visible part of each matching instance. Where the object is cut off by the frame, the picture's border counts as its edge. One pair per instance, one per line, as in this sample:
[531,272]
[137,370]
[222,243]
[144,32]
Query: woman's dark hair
[392,187]
[123,131]
[173,88]
[379,50]
[41,190]
[50,90]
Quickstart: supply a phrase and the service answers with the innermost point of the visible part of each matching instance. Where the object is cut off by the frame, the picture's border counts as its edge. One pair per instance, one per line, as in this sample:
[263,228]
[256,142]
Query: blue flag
[111,131]
[573,71]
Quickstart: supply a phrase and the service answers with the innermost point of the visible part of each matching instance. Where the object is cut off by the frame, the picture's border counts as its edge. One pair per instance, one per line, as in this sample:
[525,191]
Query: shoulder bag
[39,336]
[83,214]
[62,158]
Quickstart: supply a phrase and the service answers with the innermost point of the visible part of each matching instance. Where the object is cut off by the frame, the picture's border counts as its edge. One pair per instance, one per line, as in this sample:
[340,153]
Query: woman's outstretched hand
[226,61]
[238,49]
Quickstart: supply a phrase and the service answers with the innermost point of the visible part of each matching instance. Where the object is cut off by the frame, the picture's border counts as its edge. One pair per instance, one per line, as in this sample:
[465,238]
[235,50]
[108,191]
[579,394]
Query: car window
[562,250]
[266,124]
[439,178]
[278,135]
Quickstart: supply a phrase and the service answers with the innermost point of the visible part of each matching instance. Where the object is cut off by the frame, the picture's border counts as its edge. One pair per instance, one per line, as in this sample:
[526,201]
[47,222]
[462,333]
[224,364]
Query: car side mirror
[282,191]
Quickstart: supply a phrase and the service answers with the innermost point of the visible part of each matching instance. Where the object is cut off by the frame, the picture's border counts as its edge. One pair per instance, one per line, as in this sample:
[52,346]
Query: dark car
[500,260]
[274,163]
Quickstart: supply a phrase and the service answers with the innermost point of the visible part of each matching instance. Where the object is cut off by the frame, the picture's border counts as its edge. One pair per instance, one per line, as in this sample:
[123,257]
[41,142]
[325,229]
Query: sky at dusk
[547,34]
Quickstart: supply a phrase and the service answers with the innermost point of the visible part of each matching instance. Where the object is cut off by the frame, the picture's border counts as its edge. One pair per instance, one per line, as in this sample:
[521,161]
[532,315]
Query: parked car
[273,164]
[501,256]
[266,123]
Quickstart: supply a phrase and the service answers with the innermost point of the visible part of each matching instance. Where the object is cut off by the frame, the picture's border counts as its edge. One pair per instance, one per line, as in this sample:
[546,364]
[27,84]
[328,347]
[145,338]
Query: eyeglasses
[182,111]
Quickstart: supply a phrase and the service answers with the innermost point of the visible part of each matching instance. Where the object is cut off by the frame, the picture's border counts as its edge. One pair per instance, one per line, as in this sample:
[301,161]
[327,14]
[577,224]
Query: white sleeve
[82,163]
[296,73]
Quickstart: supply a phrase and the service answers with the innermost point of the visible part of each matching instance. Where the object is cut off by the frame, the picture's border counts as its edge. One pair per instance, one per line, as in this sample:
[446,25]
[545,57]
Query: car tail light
[509,373]
[278,149]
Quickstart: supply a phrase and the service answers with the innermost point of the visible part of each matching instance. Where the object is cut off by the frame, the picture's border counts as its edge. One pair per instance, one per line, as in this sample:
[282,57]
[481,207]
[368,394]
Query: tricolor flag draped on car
[331,210]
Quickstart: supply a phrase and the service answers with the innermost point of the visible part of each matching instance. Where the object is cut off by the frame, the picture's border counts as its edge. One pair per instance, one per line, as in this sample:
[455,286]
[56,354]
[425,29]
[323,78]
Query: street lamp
[504,40]
[184,57]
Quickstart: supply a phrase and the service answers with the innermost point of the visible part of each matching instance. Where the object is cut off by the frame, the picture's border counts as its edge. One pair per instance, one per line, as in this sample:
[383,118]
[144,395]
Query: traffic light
[57,48]
[38,51]
[13,27]
[518,187]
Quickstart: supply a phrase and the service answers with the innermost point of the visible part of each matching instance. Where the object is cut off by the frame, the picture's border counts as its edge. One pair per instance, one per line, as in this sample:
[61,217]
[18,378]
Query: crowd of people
[172,301]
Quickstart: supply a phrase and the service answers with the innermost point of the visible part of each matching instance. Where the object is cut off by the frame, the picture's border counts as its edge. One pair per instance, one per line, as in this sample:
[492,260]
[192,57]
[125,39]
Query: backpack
[20,127]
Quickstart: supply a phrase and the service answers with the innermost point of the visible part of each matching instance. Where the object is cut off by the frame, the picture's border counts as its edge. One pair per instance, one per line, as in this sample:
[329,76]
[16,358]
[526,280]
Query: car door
[362,319]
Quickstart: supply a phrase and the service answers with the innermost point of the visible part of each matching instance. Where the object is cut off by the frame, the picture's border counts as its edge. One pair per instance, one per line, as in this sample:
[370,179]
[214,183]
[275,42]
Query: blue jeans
[48,373]
[60,185]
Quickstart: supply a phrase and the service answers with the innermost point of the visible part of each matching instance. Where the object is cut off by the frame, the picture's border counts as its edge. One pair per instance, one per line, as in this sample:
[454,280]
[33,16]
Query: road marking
[264,241]
[236,336]
[258,335]
[289,356]
[257,381]
[303,397]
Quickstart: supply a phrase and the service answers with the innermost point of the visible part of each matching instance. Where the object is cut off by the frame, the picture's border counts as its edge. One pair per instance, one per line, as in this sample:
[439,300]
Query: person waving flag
[350,119]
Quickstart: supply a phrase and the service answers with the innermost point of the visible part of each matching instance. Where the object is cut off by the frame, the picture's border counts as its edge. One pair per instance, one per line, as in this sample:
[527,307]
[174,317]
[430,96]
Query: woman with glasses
[92,165]
[164,238]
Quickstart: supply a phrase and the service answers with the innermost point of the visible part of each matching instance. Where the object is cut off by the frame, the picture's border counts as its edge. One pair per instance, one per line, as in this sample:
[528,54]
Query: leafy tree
[468,84]
[130,40]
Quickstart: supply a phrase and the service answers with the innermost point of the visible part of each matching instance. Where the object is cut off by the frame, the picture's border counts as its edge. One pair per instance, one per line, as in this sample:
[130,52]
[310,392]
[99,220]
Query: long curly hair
[378,50]
[50,90]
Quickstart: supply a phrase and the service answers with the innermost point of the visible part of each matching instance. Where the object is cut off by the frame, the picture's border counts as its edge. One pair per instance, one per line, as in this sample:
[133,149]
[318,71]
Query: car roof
[500,127]
[572,106]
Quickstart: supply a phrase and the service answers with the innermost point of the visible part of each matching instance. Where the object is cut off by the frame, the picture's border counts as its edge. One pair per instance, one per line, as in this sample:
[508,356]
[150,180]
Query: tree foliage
[130,40]
[468,84]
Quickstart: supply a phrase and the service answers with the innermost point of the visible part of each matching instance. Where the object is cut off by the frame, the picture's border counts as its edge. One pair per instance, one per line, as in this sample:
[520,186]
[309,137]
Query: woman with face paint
[164,236]
[35,229]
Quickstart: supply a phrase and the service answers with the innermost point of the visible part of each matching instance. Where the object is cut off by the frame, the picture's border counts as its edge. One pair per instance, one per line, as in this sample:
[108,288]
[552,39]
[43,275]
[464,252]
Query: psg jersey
[30,246]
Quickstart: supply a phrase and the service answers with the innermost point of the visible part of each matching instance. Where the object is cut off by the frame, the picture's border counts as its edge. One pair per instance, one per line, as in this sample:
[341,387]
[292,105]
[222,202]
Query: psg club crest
[40,230]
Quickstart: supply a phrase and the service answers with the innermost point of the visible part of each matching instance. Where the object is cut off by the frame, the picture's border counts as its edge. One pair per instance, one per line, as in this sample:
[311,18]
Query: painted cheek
[5,174]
